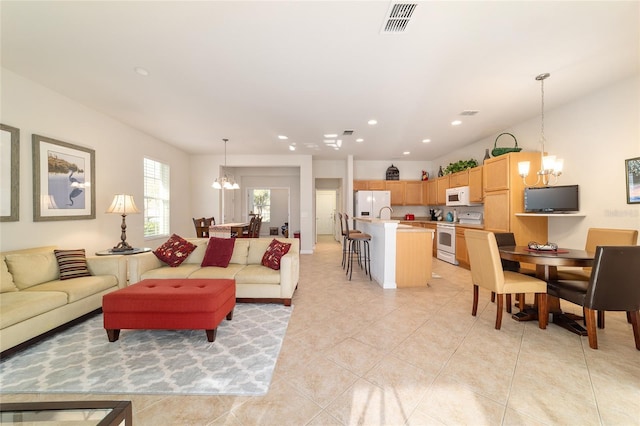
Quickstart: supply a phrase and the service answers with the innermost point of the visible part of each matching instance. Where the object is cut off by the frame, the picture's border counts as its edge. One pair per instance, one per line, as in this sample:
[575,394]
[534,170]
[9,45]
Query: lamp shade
[123,204]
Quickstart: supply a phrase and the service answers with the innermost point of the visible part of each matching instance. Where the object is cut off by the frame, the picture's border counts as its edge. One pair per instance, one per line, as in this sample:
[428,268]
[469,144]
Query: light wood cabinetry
[431,192]
[413,258]
[413,193]
[396,187]
[377,185]
[462,256]
[459,179]
[504,197]
[432,225]
[443,185]
[360,185]
[475,185]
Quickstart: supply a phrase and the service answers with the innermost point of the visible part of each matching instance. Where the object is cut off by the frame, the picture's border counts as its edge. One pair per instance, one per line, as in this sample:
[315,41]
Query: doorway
[325,211]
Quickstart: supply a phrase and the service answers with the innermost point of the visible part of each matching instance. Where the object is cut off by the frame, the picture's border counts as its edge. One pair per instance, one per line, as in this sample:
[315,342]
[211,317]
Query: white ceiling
[250,71]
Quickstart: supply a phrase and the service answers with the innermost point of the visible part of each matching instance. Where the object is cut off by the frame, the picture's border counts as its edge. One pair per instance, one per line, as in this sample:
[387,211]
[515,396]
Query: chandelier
[225,182]
[550,167]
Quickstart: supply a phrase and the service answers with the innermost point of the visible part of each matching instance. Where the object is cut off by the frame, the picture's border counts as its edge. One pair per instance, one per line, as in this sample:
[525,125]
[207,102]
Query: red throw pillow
[219,251]
[274,253]
[174,251]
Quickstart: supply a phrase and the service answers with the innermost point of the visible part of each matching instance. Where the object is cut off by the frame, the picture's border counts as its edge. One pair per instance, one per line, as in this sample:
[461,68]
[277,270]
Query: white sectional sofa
[254,282]
[33,300]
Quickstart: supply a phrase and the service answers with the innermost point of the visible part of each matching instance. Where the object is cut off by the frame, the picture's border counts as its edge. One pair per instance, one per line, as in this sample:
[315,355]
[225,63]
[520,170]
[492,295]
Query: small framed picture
[10,172]
[632,168]
[63,180]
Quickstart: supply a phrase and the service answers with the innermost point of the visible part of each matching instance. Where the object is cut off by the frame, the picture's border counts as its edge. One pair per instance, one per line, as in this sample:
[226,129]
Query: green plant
[461,165]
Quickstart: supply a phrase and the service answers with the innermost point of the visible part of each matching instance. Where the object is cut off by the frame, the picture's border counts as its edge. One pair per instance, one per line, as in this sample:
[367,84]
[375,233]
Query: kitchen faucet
[385,207]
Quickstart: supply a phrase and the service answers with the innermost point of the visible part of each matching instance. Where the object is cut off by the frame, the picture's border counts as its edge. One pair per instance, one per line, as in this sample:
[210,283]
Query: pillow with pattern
[72,263]
[274,253]
[174,251]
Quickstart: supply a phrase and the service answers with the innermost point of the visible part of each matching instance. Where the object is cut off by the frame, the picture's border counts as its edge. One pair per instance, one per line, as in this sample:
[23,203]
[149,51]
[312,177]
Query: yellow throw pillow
[32,269]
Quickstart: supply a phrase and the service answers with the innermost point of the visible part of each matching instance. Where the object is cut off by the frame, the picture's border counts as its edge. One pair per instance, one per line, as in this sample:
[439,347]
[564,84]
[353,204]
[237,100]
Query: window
[260,202]
[156,198]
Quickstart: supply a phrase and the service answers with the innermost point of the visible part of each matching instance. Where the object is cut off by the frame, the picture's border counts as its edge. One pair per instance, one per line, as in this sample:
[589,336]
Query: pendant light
[225,182]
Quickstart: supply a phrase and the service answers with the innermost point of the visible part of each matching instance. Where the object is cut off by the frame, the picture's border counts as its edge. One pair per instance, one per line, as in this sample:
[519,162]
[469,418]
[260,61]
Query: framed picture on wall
[63,180]
[632,168]
[10,171]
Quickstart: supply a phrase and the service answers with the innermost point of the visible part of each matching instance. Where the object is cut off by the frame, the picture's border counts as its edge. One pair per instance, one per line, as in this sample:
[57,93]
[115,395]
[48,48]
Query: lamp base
[123,246]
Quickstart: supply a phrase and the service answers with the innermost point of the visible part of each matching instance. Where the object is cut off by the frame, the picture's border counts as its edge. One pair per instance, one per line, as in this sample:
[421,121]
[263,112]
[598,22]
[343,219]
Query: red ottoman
[170,304]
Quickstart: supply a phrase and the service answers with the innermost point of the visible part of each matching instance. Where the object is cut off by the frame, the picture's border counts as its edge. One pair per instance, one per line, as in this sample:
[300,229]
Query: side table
[110,252]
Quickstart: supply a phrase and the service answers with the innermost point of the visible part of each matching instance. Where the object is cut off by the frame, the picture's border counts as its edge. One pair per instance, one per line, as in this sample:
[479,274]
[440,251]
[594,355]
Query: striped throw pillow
[72,263]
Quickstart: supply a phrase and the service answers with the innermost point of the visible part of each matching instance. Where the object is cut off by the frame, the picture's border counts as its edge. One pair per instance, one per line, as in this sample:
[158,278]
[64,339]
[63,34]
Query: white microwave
[458,196]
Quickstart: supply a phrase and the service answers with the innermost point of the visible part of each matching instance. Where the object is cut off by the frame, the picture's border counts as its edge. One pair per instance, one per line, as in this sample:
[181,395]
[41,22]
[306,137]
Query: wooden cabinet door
[459,179]
[443,185]
[496,173]
[435,236]
[432,192]
[397,191]
[360,185]
[413,193]
[497,211]
[462,256]
[475,185]
[377,185]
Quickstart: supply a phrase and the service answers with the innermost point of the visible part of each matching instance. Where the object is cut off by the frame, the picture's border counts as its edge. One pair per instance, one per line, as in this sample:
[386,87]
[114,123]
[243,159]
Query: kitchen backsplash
[423,211]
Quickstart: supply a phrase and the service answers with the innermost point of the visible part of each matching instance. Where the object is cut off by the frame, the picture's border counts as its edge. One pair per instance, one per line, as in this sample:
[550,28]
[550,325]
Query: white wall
[119,152]
[594,135]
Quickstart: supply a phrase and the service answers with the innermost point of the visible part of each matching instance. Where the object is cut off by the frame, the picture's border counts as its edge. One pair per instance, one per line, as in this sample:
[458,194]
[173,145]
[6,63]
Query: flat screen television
[551,199]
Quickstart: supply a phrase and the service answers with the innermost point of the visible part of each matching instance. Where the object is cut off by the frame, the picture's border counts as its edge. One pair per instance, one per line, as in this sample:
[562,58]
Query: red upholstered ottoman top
[171,295]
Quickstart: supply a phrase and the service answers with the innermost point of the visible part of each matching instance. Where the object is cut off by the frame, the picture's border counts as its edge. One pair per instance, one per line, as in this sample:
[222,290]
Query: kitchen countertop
[428,220]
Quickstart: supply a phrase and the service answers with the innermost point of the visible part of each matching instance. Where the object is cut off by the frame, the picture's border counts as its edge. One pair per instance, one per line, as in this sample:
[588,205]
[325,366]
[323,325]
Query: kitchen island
[401,255]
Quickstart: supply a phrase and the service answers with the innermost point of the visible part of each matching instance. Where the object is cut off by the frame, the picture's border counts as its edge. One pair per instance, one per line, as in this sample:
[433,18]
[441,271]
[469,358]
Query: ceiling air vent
[469,112]
[347,133]
[398,18]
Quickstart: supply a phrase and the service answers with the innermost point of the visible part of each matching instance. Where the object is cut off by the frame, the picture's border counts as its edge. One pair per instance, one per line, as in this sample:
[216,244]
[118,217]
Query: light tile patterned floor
[357,354]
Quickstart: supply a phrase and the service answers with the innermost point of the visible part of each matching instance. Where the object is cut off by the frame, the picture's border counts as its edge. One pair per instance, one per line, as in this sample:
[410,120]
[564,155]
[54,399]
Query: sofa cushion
[257,248]
[182,271]
[6,279]
[274,253]
[72,263]
[216,272]
[78,288]
[219,251]
[240,251]
[32,269]
[20,306]
[174,251]
[198,254]
[257,274]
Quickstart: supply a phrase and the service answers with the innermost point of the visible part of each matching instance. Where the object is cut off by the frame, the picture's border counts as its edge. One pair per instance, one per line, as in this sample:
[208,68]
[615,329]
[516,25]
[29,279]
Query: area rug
[82,360]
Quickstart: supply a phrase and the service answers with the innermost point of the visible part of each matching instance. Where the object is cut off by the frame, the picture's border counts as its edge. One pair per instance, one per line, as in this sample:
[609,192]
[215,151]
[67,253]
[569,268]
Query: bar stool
[358,246]
[344,240]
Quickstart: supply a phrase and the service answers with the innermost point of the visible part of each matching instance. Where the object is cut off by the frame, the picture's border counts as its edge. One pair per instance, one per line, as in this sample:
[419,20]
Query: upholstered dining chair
[487,272]
[509,239]
[202,226]
[614,285]
[599,237]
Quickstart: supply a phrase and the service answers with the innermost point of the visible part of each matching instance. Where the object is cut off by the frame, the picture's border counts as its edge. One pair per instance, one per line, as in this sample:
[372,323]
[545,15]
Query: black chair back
[614,284]
[507,239]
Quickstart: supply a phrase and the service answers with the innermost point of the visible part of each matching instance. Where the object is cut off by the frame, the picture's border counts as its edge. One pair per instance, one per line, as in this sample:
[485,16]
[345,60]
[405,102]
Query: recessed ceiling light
[406,153]
[456,122]
[372,122]
[141,71]
[282,137]
[331,135]
[339,142]
[426,140]
[292,148]
[359,140]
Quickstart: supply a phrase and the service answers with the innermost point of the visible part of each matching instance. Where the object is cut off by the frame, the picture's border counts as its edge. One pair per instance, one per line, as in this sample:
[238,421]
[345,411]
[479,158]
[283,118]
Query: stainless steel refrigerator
[369,203]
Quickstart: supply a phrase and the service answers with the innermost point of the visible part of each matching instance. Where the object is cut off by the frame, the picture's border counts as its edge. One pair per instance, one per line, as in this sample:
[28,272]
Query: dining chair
[487,272]
[256,227]
[614,285]
[357,246]
[599,237]
[202,226]
[509,239]
[252,224]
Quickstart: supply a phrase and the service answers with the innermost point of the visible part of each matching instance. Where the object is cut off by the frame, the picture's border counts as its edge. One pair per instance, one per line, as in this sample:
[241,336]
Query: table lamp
[123,204]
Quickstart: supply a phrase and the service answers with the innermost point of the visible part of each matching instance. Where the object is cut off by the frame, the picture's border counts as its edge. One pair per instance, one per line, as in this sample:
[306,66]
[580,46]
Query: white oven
[447,242]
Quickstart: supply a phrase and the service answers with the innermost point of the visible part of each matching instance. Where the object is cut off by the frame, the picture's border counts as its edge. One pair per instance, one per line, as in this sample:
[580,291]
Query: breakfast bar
[401,255]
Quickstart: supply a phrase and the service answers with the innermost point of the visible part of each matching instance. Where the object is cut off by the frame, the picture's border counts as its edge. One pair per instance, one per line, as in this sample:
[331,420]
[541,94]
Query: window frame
[162,176]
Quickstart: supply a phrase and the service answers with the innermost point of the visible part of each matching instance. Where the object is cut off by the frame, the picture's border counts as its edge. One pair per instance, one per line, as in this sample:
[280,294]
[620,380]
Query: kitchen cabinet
[432,226]
[443,185]
[459,179]
[396,187]
[360,185]
[431,192]
[475,185]
[413,193]
[462,256]
[377,185]
[504,198]
[413,258]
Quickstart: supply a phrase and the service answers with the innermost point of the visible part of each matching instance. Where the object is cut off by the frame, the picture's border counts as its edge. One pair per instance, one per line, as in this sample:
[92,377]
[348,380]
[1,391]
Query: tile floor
[357,354]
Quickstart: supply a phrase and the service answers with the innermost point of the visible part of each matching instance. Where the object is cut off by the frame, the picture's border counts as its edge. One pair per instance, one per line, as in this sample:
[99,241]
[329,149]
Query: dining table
[226,230]
[546,263]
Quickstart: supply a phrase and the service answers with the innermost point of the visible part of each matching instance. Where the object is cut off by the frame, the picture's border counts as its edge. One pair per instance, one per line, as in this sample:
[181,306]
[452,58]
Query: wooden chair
[252,224]
[487,272]
[614,285]
[256,227]
[202,226]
